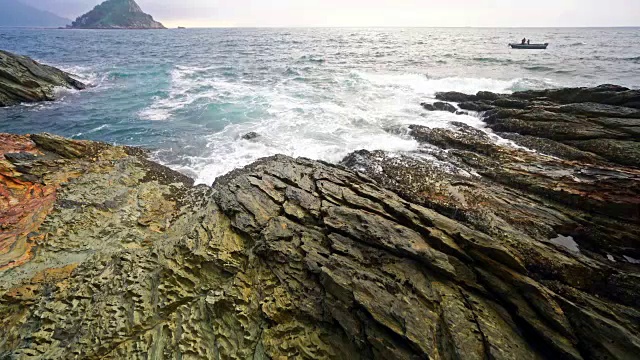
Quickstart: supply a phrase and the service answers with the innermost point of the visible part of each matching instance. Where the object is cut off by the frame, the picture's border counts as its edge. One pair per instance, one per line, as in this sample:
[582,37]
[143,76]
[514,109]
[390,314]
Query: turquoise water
[190,95]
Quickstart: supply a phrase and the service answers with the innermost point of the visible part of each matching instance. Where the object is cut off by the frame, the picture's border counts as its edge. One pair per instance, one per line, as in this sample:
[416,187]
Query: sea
[189,96]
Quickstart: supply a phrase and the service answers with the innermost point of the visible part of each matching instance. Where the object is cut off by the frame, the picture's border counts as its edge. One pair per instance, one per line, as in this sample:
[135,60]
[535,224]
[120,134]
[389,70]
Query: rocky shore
[23,80]
[476,247]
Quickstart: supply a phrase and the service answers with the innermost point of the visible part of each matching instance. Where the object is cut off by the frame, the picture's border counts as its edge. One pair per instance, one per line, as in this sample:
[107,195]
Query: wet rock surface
[23,80]
[444,254]
[571,172]
[250,136]
[604,121]
[439,106]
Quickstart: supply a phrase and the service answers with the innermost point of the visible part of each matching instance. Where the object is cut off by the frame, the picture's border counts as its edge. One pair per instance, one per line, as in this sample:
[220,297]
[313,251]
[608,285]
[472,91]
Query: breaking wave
[299,118]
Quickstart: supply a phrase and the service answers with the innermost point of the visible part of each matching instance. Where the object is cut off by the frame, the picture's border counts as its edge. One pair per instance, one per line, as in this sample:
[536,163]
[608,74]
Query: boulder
[439,106]
[250,136]
[475,106]
[487,95]
[454,96]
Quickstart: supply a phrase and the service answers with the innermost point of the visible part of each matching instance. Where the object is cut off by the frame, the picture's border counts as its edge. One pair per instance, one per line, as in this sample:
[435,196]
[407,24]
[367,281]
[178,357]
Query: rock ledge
[451,256]
[23,80]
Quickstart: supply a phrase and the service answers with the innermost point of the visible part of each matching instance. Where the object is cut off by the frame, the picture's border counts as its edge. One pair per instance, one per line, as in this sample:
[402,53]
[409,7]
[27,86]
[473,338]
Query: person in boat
[529,42]
[524,40]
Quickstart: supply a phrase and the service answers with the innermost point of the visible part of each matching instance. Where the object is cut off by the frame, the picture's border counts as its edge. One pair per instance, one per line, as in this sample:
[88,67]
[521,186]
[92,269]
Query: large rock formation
[116,14]
[104,254]
[23,80]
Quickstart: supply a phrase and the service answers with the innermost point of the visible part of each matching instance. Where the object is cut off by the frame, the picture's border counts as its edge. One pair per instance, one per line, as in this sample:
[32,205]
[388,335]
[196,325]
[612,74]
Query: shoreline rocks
[604,120]
[23,80]
[449,253]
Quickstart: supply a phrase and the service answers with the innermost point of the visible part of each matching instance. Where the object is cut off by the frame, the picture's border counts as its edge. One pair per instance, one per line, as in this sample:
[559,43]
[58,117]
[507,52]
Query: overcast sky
[206,13]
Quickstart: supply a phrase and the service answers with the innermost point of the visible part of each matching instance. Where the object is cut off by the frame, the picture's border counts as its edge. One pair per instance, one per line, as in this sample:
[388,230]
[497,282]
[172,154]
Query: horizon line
[351,27]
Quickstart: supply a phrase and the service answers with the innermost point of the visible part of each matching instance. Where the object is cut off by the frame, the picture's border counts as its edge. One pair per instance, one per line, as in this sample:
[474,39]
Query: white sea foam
[84,74]
[60,92]
[96,129]
[188,84]
[298,118]
[631,260]
[567,242]
[422,84]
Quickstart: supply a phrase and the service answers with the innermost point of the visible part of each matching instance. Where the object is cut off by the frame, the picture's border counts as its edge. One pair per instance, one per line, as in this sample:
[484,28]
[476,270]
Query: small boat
[529,46]
[181,27]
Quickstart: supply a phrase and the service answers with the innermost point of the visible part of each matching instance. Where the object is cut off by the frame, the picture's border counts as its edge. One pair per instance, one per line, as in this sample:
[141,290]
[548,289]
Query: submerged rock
[23,80]
[250,136]
[116,14]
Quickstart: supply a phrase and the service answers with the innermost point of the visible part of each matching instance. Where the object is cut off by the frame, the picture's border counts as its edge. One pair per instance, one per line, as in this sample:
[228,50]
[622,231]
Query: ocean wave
[225,152]
[291,72]
[635,59]
[422,85]
[91,131]
[492,60]
[96,129]
[188,85]
[84,74]
[60,92]
[576,44]
[312,59]
[524,84]
[301,119]
[564,71]
[539,68]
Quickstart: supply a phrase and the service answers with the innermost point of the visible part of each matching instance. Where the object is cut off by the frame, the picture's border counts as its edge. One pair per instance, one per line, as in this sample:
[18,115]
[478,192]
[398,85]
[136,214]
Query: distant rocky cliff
[23,80]
[17,13]
[470,250]
[116,14]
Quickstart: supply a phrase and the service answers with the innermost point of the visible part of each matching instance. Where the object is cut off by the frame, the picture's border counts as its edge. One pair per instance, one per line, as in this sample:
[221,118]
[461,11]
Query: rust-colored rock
[23,203]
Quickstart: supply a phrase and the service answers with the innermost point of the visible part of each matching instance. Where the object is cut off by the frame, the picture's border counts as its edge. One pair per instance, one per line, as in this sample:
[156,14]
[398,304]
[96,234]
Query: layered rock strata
[23,80]
[453,253]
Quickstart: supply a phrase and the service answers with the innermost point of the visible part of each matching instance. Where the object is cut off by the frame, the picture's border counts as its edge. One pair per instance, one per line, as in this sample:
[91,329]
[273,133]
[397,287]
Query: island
[18,14]
[116,14]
